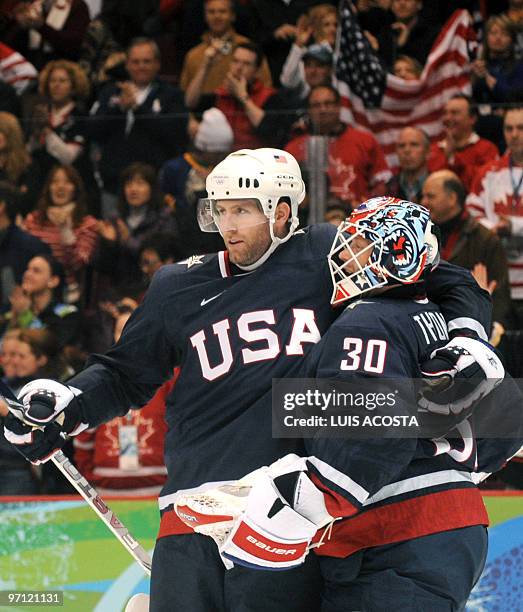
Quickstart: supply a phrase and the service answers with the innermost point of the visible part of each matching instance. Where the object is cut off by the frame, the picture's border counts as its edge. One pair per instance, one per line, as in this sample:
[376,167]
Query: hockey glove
[458,375]
[253,523]
[39,423]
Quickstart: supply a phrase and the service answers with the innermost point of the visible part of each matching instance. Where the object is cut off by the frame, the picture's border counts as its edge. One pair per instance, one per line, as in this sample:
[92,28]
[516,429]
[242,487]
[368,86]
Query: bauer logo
[271,549]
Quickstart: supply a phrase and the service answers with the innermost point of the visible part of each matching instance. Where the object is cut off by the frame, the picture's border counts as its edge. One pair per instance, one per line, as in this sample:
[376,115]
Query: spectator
[465,242]
[61,221]
[284,111]
[407,68]
[411,34]
[43,31]
[112,30]
[210,61]
[515,14]
[462,150]
[496,200]
[412,149]
[36,303]
[17,247]
[17,476]
[39,356]
[125,455]
[16,165]
[336,213]
[139,119]
[241,98]
[498,76]
[156,251]
[142,212]
[183,179]
[8,352]
[356,168]
[276,28]
[319,25]
[58,128]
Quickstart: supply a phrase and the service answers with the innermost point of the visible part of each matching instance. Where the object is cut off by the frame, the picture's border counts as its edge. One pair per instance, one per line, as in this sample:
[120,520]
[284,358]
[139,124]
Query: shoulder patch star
[192,261]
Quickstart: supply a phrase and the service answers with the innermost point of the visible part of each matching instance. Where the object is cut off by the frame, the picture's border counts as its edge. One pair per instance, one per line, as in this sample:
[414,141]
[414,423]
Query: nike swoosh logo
[206,301]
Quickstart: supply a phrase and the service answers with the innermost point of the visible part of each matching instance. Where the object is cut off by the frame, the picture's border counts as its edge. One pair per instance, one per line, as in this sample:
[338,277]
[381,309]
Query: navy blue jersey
[392,489]
[232,332]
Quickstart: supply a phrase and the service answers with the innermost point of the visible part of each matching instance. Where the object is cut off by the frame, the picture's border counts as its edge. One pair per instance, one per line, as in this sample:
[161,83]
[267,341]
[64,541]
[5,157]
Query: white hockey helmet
[265,175]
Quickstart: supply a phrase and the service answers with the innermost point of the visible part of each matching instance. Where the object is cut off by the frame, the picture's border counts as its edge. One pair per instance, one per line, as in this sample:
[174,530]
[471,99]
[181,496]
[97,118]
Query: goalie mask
[385,241]
[262,175]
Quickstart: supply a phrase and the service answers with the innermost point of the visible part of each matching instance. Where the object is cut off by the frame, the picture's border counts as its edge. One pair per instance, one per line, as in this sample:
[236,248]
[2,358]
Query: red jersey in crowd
[125,455]
[356,168]
[498,190]
[466,161]
[245,136]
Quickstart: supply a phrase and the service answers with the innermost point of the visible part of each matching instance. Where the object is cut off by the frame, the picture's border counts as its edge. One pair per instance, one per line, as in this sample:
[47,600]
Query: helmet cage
[402,244]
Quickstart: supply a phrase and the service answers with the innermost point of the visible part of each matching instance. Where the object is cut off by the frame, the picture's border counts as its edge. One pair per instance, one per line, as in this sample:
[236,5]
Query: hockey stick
[89,493]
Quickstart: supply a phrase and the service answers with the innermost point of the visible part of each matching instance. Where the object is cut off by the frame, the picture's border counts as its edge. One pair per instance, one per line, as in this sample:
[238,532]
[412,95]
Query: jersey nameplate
[430,327]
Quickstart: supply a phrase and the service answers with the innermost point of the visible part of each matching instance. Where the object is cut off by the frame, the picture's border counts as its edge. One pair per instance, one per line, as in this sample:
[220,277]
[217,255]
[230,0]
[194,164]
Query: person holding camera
[208,63]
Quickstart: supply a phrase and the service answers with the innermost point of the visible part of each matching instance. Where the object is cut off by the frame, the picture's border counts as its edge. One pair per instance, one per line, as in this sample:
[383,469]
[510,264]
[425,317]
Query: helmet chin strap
[275,243]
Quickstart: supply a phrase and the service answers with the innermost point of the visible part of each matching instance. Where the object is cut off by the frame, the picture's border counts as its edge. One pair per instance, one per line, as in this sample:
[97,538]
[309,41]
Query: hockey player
[232,321]
[407,525]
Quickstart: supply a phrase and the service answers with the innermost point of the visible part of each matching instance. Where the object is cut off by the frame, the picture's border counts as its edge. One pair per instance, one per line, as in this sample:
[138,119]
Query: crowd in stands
[113,113]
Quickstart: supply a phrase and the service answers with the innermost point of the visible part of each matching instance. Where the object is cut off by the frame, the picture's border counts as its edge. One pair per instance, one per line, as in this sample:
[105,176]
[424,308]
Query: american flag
[383,103]
[15,69]
[280,159]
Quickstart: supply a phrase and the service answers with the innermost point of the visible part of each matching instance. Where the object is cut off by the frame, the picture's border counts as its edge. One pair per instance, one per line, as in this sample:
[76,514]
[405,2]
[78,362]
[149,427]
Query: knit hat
[214,132]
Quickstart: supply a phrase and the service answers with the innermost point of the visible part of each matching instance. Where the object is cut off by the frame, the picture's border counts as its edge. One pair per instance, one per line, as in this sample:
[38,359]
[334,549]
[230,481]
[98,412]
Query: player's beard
[255,243]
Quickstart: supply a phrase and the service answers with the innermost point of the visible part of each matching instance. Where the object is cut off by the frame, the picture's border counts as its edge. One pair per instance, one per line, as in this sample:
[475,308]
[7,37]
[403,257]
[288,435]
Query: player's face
[357,252]
[244,228]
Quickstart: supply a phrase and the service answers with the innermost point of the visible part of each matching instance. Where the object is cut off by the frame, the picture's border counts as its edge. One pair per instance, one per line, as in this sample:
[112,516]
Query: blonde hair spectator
[407,68]
[17,159]
[323,20]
